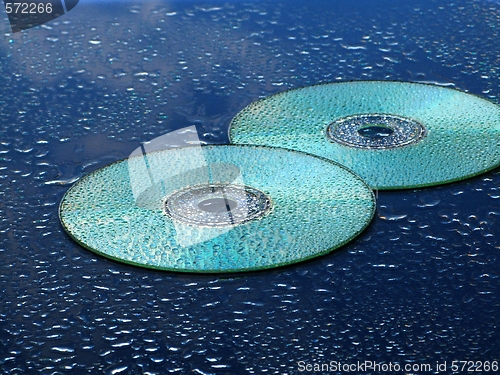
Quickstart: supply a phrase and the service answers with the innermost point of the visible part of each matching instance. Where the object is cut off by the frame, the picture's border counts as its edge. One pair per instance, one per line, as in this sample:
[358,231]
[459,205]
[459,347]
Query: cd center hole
[375,131]
[217,205]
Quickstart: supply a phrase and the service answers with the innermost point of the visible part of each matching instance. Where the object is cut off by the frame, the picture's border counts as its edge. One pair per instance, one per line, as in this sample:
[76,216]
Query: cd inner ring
[376,131]
[217,205]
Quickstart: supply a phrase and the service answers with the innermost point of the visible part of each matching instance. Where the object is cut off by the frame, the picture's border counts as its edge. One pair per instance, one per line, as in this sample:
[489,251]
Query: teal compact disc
[219,208]
[393,134]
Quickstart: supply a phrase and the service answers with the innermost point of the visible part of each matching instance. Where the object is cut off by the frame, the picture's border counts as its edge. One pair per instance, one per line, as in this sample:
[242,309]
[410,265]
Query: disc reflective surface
[393,134]
[217,208]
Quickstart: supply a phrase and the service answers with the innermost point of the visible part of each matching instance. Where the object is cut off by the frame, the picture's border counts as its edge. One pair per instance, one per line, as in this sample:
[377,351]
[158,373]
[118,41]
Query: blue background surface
[420,285]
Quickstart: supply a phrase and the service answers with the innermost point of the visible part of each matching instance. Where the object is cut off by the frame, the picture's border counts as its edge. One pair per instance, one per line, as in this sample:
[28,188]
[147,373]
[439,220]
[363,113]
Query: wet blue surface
[420,285]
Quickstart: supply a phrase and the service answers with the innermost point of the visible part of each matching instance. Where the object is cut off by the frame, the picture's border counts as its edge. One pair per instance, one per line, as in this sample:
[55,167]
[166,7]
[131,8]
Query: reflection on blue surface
[419,286]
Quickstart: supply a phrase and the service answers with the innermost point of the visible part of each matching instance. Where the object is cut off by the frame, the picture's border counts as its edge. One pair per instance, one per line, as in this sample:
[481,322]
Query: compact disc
[222,208]
[393,134]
